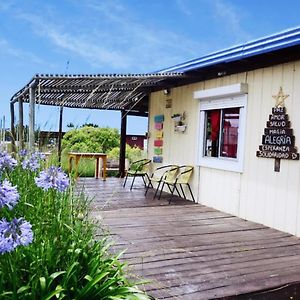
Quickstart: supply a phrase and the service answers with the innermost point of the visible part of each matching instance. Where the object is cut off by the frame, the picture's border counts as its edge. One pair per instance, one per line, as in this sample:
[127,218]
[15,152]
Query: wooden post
[31,118]
[60,134]
[12,127]
[21,124]
[122,144]
[277,165]
[4,130]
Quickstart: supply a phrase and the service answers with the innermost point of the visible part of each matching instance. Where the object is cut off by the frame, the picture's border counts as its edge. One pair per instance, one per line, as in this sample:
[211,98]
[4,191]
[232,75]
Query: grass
[64,261]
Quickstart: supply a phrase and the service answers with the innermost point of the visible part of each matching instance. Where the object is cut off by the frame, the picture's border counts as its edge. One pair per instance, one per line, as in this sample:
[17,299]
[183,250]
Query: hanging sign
[278,141]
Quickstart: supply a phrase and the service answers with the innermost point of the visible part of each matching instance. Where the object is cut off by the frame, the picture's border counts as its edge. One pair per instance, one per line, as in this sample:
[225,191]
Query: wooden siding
[258,194]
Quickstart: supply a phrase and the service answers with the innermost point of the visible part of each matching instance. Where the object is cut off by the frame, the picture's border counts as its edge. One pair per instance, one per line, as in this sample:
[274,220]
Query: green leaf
[58,290]
[88,277]
[71,271]
[43,283]
[23,289]
[55,275]
[92,283]
[6,294]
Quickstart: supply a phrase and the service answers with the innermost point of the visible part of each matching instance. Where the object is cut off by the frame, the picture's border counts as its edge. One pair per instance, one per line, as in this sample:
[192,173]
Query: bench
[112,164]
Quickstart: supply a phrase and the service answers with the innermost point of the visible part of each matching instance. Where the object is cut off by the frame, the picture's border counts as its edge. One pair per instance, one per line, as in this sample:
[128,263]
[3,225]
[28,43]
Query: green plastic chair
[185,172]
[139,168]
[158,175]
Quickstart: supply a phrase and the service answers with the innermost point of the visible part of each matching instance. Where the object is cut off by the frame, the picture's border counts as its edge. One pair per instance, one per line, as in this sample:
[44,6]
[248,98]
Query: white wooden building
[224,114]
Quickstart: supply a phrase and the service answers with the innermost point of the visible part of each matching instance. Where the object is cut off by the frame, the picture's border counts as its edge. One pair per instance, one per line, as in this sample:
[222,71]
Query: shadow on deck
[190,251]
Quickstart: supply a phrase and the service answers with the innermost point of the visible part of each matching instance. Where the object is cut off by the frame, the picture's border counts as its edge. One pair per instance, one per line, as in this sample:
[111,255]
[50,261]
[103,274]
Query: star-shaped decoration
[280,97]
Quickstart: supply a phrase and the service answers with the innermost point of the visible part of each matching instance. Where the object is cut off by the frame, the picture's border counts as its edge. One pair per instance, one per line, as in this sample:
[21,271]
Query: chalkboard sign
[278,140]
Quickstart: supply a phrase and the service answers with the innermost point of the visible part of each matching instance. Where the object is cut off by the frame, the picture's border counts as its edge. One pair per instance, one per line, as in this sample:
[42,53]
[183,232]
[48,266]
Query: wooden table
[77,155]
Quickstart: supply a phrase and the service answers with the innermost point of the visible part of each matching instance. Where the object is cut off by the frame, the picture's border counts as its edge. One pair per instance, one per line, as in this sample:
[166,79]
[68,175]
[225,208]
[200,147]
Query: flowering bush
[47,246]
[13,234]
[7,163]
[33,162]
[16,232]
[53,178]
[9,195]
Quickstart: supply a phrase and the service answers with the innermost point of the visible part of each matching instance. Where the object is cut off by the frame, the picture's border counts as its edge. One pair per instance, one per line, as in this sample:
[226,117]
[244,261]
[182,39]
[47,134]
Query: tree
[91,139]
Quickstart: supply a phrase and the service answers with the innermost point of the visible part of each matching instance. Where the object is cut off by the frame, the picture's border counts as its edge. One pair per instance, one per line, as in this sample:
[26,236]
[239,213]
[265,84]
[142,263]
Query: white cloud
[7,50]
[126,45]
[230,18]
[6,4]
[183,7]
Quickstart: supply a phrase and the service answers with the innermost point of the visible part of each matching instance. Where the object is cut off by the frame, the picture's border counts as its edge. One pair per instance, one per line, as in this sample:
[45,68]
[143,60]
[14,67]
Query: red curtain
[215,124]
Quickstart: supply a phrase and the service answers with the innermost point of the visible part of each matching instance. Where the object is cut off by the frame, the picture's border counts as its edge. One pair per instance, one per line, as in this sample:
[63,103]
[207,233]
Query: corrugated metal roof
[272,43]
[101,91]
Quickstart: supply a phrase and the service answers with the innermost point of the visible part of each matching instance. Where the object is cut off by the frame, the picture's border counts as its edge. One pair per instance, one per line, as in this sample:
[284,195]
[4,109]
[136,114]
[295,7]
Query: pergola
[127,93]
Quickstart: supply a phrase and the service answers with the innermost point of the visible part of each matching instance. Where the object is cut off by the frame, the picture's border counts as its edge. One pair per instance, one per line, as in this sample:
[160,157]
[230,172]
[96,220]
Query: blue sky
[122,36]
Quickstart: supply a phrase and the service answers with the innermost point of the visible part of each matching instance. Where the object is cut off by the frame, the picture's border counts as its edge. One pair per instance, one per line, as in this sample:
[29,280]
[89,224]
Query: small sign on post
[278,141]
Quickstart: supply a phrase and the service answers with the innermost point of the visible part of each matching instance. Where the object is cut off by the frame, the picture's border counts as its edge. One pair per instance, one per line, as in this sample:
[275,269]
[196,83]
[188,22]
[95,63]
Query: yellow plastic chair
[185,172]
[139,168]
[158,175]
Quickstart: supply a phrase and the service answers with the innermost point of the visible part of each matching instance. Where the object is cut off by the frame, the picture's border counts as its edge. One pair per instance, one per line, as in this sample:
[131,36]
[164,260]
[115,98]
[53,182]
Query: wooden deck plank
[190,251]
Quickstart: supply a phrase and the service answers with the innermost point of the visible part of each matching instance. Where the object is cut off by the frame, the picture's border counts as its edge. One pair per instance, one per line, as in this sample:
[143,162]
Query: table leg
[70,164]
[104,160]
[76,166]
[97,168]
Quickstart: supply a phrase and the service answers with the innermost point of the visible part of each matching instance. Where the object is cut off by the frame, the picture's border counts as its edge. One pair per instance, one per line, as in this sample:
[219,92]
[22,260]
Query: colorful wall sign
[278,141]
[158,142]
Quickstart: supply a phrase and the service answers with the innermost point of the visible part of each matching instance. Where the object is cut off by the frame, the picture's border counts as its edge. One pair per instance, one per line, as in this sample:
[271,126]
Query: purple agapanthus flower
[9,195]
[33,162]
[23,152]
[54,178]
[16,233]
[39,155]
[6,162]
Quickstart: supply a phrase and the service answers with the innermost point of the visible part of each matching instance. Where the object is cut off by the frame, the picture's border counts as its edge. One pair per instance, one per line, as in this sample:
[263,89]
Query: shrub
[132,153]
[58,257]
[91,139]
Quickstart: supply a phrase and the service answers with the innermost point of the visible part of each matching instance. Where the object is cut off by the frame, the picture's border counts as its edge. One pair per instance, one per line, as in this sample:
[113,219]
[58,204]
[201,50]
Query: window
[221,132]
[222,127]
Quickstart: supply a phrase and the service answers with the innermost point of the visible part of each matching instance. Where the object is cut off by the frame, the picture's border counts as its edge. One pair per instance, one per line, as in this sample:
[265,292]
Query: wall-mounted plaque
[278,141]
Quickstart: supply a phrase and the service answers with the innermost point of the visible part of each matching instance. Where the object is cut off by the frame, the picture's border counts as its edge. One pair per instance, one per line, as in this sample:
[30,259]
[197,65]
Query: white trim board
[223,91]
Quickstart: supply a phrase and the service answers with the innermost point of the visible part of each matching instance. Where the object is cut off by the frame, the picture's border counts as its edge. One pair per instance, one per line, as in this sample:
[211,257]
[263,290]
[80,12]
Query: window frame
[223,101]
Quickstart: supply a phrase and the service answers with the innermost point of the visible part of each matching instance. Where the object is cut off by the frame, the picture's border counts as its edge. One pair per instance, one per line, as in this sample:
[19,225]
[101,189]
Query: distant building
[48,137]
[136,141]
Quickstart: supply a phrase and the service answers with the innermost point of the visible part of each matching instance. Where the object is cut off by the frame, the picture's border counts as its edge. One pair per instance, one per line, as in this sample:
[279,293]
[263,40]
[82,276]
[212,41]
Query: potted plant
[180,127]
[176,117]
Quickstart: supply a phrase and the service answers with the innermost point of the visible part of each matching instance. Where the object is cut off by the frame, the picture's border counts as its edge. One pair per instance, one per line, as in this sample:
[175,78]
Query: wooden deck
[190,251]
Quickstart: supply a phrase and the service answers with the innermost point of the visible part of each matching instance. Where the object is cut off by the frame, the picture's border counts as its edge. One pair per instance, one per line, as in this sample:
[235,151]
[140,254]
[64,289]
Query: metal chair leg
[144,181]
[157,189]
[132,182]
[161,191]
[125,180]
[191,192]
[147,188]
[148,178]
[182,191]
[177,190]
[172,193]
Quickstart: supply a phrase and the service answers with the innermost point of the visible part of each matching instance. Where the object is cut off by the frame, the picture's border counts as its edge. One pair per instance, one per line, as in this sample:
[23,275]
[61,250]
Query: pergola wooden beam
[122,144]
[127,93]
[31,117]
